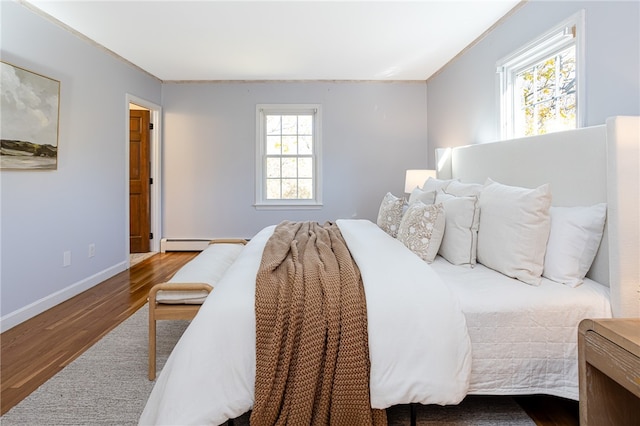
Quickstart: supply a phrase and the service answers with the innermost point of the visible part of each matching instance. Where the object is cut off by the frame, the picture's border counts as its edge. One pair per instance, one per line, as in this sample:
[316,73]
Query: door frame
[155,154]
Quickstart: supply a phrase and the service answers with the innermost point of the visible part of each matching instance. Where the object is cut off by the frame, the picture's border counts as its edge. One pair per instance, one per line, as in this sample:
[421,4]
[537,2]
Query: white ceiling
[285,40]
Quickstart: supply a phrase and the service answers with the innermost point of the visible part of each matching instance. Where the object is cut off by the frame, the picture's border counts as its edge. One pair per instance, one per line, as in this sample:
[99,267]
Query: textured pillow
[514,229]
[573,242]
[462,215]
[460,189]
[427,197]
[390,214]
[422,228]
[433,184]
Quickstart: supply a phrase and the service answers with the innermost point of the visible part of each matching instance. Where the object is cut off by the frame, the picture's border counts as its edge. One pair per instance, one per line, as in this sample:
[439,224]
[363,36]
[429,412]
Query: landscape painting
[30,105]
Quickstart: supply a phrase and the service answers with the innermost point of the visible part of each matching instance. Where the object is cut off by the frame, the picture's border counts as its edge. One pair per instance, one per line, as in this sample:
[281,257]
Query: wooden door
[139,181]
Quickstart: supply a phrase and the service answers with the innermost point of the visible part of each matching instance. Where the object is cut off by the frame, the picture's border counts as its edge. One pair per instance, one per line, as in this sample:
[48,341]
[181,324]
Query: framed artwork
[30,105]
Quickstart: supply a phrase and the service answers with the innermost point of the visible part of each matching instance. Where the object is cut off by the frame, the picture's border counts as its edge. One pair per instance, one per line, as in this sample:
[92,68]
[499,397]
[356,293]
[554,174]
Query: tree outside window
[545,95]
[540,90]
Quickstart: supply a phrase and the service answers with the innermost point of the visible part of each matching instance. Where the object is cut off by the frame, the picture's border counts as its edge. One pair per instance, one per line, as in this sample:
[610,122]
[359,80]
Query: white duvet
[525,338]
[418,342]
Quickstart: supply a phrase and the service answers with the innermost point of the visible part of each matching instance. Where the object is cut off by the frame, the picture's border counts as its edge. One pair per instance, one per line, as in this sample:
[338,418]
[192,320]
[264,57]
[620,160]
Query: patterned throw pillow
[390,214]
[422,228]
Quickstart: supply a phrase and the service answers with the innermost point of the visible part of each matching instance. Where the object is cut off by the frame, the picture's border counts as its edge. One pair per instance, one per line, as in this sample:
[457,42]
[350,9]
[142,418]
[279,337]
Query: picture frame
[29,122]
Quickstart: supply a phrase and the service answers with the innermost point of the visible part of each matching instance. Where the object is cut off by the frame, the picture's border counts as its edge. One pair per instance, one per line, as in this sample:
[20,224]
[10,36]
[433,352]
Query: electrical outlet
[66,258]
[92,250]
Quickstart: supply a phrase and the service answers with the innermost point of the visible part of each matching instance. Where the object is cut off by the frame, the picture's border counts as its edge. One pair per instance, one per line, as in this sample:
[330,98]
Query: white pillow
[390,214]
[433,184]
[514,229]
[422,228]
[460,189]
[573,242]
[462,214]
[427,197]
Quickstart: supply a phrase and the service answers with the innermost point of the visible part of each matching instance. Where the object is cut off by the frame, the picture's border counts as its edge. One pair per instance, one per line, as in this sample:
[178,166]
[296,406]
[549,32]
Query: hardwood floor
[34,351]
[37,349]
[550,410]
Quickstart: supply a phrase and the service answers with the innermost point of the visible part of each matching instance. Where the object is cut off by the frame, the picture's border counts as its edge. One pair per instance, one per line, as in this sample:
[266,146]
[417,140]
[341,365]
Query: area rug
[135,258]
[108,385]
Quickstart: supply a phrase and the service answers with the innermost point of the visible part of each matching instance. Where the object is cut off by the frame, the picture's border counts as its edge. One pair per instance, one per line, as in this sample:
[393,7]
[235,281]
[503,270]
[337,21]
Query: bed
[584,167]
[435,343]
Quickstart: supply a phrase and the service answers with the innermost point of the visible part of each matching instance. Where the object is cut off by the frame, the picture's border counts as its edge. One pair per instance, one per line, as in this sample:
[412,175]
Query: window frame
[261,202]
[548,44]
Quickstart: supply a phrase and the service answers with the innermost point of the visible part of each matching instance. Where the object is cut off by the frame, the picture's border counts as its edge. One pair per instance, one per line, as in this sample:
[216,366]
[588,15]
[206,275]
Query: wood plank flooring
[34,351]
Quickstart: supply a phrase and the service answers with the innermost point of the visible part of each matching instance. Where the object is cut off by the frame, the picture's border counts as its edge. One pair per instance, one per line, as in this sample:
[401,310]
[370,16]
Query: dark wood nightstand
[609,368]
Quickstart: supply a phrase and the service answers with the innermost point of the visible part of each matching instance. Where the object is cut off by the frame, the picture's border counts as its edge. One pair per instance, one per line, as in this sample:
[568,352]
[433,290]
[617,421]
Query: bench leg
[152,344]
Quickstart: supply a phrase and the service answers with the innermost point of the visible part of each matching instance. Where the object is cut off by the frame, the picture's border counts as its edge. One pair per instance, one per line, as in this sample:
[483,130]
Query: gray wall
[48,212]
[371,133]
[463,103]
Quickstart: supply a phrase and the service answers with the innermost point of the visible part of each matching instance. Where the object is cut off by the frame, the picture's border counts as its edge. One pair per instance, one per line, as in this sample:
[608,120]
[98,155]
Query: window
[288,156]
[540,89]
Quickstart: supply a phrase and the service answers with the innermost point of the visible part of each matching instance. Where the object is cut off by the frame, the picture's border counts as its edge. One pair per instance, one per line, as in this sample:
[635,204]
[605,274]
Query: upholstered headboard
[583,167]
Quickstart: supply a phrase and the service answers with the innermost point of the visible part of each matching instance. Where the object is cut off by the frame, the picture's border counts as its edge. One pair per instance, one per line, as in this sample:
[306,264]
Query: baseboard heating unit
[170,244]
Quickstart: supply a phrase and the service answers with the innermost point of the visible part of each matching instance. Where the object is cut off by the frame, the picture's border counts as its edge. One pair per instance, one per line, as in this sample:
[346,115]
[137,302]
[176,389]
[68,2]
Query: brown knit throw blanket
[312,352]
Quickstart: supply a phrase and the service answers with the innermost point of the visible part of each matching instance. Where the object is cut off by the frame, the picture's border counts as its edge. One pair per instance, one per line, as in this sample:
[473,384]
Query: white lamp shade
[416,178]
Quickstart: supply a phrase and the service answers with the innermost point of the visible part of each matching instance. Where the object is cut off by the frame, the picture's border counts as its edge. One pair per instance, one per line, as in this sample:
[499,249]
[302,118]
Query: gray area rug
[108,385]
[135,258]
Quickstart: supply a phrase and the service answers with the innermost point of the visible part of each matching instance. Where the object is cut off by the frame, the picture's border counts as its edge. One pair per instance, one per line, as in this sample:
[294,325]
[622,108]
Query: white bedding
[524,337]
[418,343]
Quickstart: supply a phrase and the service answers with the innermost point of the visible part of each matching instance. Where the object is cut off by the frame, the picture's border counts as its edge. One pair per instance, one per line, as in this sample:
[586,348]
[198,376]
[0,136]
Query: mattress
[524,338]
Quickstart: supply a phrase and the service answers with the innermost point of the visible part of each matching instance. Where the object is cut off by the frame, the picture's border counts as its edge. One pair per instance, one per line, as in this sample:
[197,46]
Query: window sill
[292,206]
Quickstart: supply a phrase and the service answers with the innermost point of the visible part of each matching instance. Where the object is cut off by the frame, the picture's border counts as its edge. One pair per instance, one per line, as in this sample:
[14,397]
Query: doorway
[139,180]
[142,237]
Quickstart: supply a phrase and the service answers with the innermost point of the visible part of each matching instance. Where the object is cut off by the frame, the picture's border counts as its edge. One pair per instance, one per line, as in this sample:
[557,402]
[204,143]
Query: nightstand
[609,368]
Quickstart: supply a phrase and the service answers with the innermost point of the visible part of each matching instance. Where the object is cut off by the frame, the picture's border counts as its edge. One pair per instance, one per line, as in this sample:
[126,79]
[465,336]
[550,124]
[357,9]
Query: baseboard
[39,306]
[174,244]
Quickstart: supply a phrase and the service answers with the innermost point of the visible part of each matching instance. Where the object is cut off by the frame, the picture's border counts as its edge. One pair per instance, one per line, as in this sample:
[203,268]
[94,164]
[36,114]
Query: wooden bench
[180,298]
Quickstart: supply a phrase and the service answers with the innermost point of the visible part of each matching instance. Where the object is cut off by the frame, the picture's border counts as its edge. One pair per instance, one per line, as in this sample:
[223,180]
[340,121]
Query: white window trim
[261,203]
[544,45]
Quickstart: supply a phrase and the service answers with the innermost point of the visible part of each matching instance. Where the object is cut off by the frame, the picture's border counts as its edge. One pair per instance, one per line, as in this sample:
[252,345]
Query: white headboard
[583,167]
